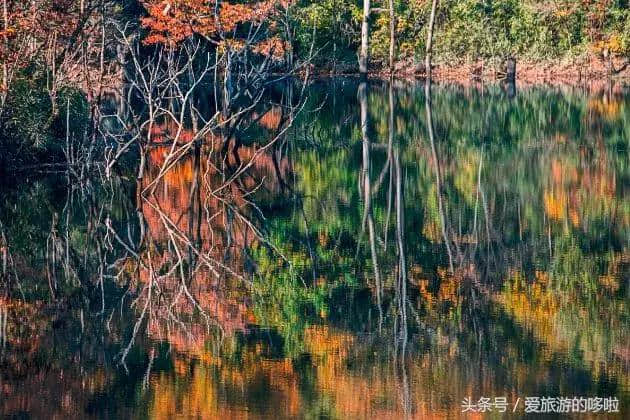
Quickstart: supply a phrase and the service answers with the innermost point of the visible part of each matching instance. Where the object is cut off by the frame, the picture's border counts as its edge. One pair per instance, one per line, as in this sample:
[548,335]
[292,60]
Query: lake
[387,255]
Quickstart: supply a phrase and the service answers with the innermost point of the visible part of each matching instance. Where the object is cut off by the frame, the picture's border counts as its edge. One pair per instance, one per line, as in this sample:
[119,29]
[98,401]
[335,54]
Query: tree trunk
[510,70]
[367,193]
[5,68]
[392,36]
[427,62]
[365,33]
[436,163]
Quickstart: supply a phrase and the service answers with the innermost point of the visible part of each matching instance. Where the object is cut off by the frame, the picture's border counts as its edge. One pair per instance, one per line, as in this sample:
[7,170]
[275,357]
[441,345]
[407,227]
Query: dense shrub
[31,129]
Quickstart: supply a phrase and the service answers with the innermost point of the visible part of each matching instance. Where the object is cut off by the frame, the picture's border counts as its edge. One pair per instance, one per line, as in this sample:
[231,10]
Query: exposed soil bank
[564,72]
[572,72]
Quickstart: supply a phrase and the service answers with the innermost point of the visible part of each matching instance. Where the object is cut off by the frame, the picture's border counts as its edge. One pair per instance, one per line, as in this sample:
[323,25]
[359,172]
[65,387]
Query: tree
[172,21]
[365,35]
[64,40]
[365,43]
[429,49]
[245,40]
[392,36]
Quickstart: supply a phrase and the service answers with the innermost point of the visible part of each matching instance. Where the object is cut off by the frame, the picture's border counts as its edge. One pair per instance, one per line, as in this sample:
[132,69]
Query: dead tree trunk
[436,163]
[429,50]
[5,67]
[510,70]
[365,33]
[392,36]
[367,194]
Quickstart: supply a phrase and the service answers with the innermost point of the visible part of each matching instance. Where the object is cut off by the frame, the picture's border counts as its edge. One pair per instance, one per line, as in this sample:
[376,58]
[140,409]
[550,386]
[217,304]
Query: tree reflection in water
[391,255]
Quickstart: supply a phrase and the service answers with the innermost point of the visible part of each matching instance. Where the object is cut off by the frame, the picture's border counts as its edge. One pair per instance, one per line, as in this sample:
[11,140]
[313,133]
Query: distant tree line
[466,30]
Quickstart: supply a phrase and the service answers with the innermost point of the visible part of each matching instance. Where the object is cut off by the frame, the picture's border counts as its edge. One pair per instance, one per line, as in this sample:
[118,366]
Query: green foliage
[469,29]
[479,29]
[331,27]
[27,114]
[31,128]
[281,301]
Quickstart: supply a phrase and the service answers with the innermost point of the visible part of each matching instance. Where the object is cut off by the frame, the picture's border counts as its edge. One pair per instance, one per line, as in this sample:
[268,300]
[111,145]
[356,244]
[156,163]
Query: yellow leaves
[562,321]
[231,45]
[181,367]
[555,203]
[431,231]
[198,400]
[10,31]
[612,278]
[322,341]
[531,305]
[447,291]
[562,13]
[198,396]
[609,109]
[542,277]
[426,295]
[323,238]
[574,217]
[406,49]
[449,285]
[610,282]
[574,191]
[614,45]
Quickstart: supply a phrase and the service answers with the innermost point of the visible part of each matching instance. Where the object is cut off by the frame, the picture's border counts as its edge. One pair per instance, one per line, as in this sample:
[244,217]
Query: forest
[314,209]
[60,59]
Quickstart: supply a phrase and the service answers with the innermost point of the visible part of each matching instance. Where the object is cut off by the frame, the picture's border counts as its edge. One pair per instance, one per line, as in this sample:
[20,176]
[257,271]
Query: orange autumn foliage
[172,21]
[188,200]
[573,190]
[36,28]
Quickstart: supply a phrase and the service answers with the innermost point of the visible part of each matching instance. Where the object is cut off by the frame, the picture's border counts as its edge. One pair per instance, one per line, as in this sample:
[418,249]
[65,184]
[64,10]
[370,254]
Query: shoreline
[556,72]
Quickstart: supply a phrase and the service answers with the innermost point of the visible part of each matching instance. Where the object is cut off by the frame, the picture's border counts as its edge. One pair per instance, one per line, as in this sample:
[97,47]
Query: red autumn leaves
[31,26]
[171,21]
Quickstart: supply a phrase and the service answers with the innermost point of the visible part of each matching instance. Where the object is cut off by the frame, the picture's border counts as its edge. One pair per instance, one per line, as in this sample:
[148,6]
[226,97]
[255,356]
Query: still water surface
[388,257]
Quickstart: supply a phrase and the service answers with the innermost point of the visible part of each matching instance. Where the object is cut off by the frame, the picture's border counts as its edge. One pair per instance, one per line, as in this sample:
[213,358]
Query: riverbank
[546,72]
[562,71]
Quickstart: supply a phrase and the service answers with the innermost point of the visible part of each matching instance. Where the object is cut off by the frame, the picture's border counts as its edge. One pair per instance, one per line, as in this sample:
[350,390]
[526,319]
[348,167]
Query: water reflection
[409,248]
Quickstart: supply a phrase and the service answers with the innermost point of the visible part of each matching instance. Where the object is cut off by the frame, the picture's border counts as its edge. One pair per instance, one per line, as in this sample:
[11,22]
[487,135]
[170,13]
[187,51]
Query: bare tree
[436,167]
[364,53]
[5,65]
[429,46]
[365,39]
[392,36]
[366,189]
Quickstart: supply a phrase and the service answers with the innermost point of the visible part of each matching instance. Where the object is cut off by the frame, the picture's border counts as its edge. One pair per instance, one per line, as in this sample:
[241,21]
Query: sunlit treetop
[171,21]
